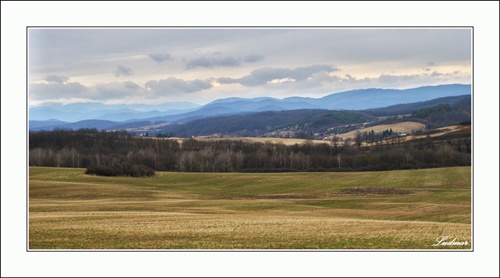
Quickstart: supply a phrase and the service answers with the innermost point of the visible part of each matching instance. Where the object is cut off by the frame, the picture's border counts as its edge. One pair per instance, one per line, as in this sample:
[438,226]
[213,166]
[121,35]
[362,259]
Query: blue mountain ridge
[349,100]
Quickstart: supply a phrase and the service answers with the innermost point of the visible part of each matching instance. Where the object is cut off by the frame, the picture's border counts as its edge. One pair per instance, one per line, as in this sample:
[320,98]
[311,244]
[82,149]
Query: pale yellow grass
[70,210]
[396,127]
[169,223]
[286,141]
[442,131]
[247,230]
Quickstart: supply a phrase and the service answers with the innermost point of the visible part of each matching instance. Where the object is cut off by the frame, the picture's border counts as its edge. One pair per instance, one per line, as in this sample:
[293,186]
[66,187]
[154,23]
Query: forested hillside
[258,124]
[409,108]
[435,114]
[303,123]
[317,124]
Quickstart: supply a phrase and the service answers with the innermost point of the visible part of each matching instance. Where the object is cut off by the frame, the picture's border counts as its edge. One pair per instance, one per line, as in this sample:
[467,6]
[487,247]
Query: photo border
[483,16]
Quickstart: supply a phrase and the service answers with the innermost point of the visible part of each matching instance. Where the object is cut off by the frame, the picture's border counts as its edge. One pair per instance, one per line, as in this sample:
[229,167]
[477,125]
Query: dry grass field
[267,211]
[447,130]
[396,127]
[285,141]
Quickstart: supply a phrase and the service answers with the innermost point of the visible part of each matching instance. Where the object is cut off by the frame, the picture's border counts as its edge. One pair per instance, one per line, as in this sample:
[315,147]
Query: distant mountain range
[112,112]
[109,117]
[452,111]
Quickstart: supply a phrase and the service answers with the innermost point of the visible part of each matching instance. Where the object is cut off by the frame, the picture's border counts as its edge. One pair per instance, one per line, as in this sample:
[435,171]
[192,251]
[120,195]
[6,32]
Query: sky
[199,65]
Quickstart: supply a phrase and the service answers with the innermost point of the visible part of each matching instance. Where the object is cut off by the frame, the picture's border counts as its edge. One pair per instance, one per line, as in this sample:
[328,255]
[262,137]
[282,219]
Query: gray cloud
[41,91]
[411,79]
[253,58]
[262,76]
[122,70]
[429,66]
[131,85]
[227,80]
[389,79]
[75,90]
[115,90]
[385,78]
[58,79]
[395,79]
[348,77]
[260,55]
[358,44]
[216,61]
[173,85]
[160,57]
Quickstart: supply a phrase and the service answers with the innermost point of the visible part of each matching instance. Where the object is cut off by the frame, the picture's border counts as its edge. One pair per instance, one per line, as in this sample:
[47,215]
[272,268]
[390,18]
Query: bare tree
[358,138]
[37,156]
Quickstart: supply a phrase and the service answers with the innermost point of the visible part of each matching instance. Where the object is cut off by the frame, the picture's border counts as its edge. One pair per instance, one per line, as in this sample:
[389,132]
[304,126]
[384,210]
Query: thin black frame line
[250,250]
[27,139]
[248,27]
[472,140]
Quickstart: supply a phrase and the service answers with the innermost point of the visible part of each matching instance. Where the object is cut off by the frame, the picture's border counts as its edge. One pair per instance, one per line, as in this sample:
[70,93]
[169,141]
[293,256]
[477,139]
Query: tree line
[120,153]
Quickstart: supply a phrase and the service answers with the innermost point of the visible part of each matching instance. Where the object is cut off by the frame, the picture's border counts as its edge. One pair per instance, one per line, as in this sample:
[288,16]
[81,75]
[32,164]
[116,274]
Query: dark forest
[120,153]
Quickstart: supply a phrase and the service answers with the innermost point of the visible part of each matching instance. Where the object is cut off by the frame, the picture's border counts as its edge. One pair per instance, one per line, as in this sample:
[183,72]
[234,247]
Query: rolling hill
[408,108]
[259,116]
[374,98]
[317,123]
[349,100]
[257,124]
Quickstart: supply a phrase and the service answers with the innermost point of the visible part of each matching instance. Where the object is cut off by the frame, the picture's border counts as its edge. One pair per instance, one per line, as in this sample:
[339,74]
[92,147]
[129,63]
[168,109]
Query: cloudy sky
[200,65]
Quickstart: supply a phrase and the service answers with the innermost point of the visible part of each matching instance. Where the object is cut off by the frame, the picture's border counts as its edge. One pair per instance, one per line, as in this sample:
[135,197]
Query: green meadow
[405,209]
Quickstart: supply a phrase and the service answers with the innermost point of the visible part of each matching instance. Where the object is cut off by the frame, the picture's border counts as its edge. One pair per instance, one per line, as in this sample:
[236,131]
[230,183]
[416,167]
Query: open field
[396,127]
[408,127]
[286,141]
[359,210]
[447,130]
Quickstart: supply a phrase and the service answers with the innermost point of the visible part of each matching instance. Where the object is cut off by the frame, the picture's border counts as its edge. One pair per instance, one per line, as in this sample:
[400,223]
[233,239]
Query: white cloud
[266,75]
[281,80]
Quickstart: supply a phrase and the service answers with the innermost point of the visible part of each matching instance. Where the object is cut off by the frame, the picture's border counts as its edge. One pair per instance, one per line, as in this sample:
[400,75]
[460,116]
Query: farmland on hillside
[407,127]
